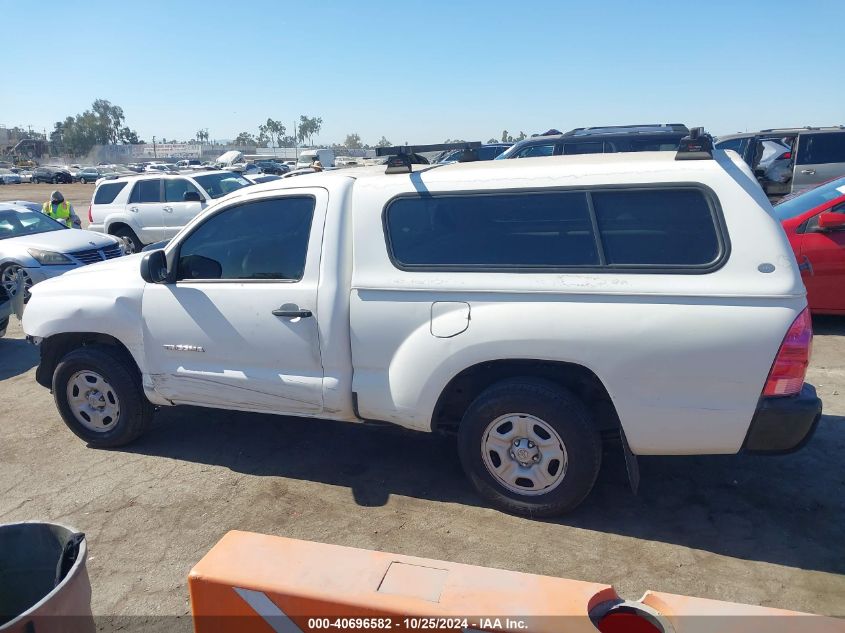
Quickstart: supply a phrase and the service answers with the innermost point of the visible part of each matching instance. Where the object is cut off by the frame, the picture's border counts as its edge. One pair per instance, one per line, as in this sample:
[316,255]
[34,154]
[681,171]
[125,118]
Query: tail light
[90,217]
[785,156]
[787,374]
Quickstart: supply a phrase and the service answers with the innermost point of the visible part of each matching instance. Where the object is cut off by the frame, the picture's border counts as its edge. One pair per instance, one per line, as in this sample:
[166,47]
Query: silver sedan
[36,247]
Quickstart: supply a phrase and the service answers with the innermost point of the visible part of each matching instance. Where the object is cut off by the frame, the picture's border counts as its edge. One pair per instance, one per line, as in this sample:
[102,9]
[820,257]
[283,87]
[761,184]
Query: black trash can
[44,585]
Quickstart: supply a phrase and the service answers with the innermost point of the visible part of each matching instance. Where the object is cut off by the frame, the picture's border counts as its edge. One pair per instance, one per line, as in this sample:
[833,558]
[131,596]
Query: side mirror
[191,196]
[831,221]
[154,267]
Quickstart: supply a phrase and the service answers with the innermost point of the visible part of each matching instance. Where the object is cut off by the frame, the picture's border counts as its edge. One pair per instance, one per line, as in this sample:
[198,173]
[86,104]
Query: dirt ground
[760,530]
[78,195]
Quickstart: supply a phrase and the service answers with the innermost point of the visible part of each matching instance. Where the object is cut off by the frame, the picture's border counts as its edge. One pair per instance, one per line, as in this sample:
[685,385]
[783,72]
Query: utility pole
[295,143]
[154,148]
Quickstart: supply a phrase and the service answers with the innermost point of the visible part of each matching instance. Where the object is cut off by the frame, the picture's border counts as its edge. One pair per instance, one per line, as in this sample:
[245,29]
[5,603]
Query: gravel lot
[761,530]
[78,195]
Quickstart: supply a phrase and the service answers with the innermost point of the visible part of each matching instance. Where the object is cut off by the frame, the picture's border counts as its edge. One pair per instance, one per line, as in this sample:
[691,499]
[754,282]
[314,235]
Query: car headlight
[48,258]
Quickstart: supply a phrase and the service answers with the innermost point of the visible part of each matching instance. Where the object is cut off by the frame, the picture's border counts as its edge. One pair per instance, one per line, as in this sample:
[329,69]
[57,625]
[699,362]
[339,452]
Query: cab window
[261,240]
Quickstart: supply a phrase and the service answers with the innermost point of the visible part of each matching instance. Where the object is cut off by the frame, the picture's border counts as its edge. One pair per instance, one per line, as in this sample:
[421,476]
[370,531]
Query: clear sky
[422,72]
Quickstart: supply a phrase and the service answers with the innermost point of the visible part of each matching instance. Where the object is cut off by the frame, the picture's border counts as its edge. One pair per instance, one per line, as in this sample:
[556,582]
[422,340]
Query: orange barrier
[254,583]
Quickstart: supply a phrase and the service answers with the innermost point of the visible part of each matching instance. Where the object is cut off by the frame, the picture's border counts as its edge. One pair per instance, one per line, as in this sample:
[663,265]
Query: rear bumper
[783,425]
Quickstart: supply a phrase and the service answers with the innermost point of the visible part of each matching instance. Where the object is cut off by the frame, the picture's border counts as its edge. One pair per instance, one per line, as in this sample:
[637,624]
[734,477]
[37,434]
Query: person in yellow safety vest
[61,210]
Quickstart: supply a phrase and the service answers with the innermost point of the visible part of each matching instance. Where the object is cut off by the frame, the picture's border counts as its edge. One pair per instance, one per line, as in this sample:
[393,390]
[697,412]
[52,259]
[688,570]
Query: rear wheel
[100,397]
[530,447]
[82,181]
[131,242]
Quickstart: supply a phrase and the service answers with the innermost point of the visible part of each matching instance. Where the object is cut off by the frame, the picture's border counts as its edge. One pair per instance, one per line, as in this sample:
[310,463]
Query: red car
[814,221]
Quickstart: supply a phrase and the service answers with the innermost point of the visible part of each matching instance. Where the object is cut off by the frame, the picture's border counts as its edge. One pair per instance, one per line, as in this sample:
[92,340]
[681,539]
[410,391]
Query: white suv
[153,207]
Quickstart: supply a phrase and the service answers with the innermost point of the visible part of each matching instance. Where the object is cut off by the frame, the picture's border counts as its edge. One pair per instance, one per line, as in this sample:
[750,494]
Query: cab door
[237,326]
[178,211]
[822,259]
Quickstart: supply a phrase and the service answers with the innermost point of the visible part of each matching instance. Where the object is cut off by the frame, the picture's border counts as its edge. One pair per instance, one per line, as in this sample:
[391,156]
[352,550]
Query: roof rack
[698,145]
[806,127]
[403,156]
[644,128]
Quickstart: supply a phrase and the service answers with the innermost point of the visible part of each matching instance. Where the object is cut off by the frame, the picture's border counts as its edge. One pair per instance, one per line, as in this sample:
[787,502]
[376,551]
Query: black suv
[51,174]
[601,140]
[272,167]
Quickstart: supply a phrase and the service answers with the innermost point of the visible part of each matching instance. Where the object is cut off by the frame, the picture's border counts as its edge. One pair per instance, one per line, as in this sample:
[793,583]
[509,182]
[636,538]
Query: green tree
[202,135]
[109,118]
[491,141]
[383,142]
[245,138]
[308,127]
[101,125]
[520,137]
[273,130]
[353,141]
[128,137]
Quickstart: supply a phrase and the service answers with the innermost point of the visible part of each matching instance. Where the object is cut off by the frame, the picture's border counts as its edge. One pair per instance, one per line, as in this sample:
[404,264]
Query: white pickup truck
[530,307]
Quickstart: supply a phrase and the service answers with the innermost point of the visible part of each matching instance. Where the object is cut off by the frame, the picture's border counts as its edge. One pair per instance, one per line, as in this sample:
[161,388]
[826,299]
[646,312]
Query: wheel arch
[56,347]
[468,384]
[114,223]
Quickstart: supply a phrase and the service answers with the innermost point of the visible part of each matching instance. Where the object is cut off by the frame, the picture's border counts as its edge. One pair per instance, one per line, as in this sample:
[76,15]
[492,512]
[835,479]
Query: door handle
[133,209]
[292,312]
[168,209]
[808,171]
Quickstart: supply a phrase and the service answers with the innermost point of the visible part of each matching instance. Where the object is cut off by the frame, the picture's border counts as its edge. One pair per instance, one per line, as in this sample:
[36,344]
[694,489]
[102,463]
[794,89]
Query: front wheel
[82,181]
[530,447]
[100,397]
[9,280]
[130,241]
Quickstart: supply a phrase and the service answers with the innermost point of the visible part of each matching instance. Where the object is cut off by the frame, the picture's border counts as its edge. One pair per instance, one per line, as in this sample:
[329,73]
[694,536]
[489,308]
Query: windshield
[18,223]
[793,206]
[221,183]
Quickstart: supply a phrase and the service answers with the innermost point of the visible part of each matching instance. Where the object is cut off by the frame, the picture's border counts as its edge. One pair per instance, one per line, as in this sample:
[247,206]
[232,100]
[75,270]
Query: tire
[82,181]
[529,406]
[7,277]
[55,180]
[131,240]
[119,390]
